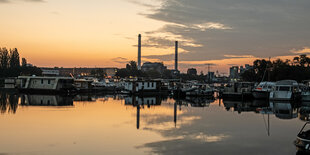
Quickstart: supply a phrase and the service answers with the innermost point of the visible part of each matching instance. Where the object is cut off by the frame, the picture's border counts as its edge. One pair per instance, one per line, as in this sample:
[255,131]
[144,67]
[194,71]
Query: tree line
[10,65]
[265,70]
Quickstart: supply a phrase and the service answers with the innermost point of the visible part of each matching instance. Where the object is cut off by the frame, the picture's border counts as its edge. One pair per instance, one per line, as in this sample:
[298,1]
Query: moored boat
[262,91]
[302,141]
[238,91]
[285,90]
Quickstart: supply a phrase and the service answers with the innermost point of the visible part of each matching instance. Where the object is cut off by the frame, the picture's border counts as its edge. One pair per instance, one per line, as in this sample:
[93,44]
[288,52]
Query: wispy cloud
[239,56]
[4,1]
[35,0]
[120,60]
[305,50]
[11,1]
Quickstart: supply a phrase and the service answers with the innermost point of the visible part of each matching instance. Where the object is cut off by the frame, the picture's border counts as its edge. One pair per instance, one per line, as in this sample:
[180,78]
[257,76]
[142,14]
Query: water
[89,124]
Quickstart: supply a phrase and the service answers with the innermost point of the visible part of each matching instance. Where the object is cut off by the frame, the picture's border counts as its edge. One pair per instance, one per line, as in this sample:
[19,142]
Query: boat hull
[237,96]
[302,145]
[305,96]
[261,95]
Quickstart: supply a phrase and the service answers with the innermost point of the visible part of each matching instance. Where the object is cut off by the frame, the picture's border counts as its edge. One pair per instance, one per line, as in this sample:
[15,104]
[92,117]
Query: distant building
[211,76]
[148,66]
[50,72]
[192,71]
[234,72]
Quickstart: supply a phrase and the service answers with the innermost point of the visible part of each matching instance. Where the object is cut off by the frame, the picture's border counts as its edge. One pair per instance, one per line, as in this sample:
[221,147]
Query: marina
[145,77]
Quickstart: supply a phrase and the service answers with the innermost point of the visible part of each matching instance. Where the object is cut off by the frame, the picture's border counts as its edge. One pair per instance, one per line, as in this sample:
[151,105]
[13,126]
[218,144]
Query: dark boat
[303,139]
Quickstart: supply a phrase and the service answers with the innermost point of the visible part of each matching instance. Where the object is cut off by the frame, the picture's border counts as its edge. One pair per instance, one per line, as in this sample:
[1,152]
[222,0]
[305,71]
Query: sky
[96,33]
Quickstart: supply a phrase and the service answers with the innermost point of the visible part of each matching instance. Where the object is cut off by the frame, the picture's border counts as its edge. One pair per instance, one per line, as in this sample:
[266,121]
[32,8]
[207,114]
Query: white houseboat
[38,84]
[285,90]
[145,87]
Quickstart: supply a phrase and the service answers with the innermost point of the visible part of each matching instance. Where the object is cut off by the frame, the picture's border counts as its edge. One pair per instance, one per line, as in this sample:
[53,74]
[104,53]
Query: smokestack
[176,56]
[139,52]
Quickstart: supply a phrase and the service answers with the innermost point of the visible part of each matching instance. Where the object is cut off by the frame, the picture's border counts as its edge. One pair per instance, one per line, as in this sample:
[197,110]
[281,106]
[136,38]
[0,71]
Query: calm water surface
[43,124]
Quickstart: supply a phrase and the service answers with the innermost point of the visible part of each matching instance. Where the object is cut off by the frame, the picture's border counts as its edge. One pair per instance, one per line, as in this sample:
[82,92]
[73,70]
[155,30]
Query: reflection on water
[101,124]
[46,100]
[8,102]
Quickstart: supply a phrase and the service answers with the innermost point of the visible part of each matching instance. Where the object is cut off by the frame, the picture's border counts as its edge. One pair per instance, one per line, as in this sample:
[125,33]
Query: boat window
[49,82]
[41,81]
[283,88]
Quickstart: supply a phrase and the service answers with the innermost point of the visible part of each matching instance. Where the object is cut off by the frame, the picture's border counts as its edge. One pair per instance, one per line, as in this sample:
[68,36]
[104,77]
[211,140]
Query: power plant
[139,52]
[139,55]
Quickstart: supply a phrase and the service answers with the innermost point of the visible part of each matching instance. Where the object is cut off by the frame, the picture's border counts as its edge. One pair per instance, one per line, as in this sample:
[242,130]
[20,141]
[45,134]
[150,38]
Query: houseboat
[38,84]
[285,90]
[104,85]
[262,90]
[238,91]
[145,87]
[193,89]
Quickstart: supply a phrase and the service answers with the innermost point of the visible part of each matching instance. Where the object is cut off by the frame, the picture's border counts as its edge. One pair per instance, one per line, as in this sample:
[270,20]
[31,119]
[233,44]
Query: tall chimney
[139,52]
[176,56]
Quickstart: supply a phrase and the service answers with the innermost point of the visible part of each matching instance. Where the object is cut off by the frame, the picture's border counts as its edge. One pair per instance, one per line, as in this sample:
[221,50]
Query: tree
[153,74]
[24,62]
[4,55]
[122,73]
[14,58]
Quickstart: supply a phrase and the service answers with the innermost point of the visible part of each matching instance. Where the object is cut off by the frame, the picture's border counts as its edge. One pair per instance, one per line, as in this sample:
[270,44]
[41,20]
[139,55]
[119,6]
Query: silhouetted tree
[279,70]
[14,58]
[4,56]
[24,62]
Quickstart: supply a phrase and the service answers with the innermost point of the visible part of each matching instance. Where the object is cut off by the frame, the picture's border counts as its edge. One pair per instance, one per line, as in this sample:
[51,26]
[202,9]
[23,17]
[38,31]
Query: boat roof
[45,77]
[267,83]
[287,82]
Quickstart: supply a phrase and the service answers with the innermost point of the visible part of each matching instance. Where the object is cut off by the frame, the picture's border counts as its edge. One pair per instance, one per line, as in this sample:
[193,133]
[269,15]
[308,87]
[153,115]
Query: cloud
[305,50]
[4,1]
[10,1]
[35,0]
[145,3]
[231,29]
[120,60]
[239,56]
